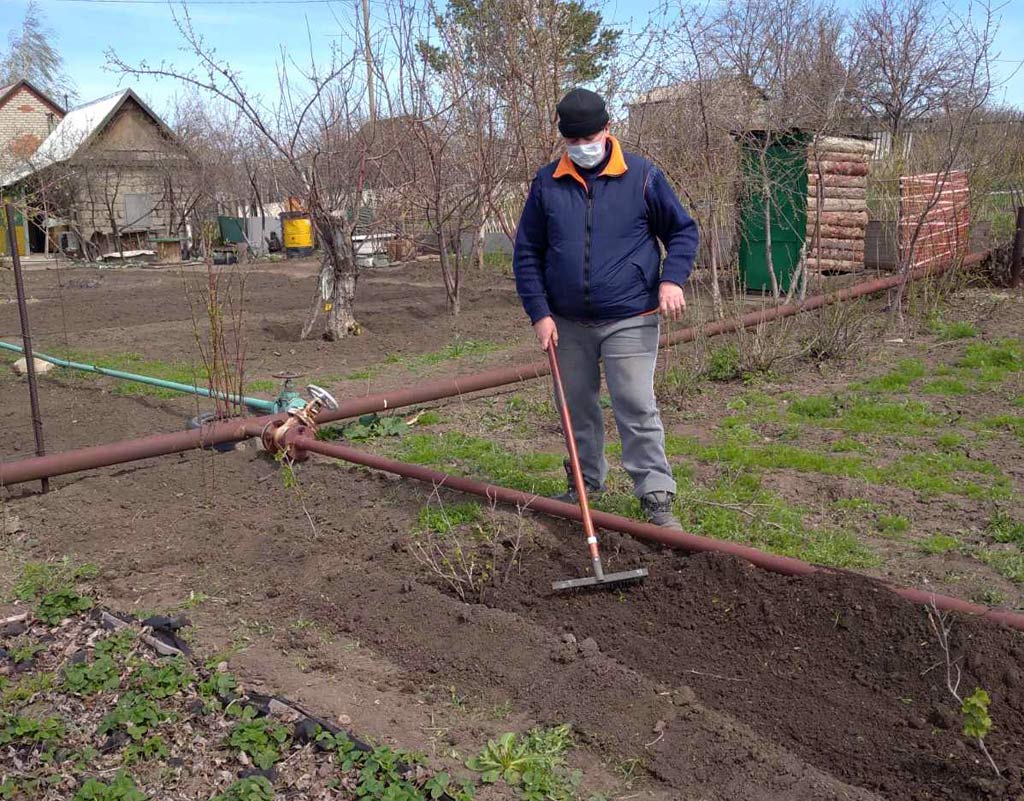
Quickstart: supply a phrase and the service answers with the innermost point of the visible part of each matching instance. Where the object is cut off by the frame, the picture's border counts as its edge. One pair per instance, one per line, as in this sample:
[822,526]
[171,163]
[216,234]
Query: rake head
[606,580]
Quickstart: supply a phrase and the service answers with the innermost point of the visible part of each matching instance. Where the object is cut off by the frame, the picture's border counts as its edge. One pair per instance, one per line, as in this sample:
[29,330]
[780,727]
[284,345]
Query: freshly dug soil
[726,682]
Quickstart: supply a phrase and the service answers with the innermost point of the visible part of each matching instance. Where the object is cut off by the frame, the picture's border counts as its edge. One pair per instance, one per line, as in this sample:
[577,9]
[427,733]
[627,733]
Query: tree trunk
[336,287]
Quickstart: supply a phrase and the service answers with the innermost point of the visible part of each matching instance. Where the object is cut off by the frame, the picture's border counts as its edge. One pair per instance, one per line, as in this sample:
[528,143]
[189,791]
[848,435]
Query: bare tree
[312,129]
[32,54]
[906,61]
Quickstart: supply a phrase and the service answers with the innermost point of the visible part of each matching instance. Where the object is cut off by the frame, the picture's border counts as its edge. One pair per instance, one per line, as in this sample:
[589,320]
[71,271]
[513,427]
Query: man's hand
[546,332]
[671,301]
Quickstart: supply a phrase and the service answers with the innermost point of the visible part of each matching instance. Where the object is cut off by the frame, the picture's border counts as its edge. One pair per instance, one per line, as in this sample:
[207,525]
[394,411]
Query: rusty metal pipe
[236,430]
[127,450]
[673,538]
[451,387]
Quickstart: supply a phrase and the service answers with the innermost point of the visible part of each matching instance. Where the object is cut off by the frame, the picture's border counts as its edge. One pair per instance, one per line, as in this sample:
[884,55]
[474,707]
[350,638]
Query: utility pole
[368,55]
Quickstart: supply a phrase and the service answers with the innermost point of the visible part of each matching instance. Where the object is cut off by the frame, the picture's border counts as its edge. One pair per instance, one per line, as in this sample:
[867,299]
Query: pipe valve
[302,417]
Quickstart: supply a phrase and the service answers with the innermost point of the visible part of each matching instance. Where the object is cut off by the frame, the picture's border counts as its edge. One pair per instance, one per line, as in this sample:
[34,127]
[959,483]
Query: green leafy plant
[724,364]
[261,739]
[39,578]
[122,788]
[387,774]
[1003,528]
[120,643]
[372,426]
[252,788]
[534,765]
[219,687]
[24,730]
[150,748]
[89,678]
[54,606]
[135,714]
[162,680]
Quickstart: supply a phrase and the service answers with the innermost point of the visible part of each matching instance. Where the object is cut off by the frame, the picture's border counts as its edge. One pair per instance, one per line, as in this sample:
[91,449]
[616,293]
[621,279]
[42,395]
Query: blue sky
[251,33]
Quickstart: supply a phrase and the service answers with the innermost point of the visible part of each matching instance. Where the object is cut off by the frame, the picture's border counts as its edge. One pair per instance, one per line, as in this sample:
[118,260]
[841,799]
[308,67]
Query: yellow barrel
[298,233]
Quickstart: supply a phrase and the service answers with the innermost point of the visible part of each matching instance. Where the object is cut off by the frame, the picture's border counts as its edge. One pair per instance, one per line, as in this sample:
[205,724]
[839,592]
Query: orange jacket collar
[615,167]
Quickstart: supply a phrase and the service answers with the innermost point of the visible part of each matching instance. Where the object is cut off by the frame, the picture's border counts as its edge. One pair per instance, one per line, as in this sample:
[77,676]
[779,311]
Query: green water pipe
[255,404]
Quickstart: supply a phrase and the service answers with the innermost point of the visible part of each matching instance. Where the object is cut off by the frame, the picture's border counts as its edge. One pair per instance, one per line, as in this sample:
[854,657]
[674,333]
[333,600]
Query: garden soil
[724,681]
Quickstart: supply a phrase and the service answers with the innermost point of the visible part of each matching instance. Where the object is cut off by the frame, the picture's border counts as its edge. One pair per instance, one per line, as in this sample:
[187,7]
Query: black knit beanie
[581,113]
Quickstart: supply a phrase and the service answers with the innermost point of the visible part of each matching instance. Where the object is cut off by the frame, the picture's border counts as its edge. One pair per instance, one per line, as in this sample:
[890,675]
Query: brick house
[27,117]
[111,176]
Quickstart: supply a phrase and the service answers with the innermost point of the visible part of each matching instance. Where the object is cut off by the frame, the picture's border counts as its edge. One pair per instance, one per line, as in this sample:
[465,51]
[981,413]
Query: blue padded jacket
[588,249]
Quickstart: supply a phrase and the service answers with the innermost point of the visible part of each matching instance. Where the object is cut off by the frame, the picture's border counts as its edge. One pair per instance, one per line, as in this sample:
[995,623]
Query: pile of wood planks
[837,208]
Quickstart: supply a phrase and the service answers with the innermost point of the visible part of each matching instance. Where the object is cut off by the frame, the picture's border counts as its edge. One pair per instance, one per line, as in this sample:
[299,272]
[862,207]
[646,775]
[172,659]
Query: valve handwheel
[322,395]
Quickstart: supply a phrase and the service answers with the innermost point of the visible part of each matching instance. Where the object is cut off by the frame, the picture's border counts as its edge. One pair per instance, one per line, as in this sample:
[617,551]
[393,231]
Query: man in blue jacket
[591,278]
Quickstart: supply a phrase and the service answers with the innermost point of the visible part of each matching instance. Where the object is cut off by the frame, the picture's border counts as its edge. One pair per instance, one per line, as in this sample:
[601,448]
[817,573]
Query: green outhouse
[774,171]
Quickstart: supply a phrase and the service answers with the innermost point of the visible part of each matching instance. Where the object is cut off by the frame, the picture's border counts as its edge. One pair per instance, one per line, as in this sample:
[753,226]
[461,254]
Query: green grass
[459,349]
[899,380]
[1007,563]
[928,473]
[946,386]
[862,415]
[1007,354]
[1003,528]
[861,505]
[263,385]
[767,522]
[1013,423]
[724,363]
[892,526]
[960,329]
[180,372]
[443,518]
[937,544]
[540,473]
[949,441]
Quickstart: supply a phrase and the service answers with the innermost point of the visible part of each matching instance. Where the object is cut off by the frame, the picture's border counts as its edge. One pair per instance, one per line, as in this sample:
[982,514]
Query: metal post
[1017,259]
[26,338]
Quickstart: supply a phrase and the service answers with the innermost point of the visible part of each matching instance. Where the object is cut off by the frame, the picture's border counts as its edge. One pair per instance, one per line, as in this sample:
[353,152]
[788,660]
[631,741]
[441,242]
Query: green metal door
[778,163]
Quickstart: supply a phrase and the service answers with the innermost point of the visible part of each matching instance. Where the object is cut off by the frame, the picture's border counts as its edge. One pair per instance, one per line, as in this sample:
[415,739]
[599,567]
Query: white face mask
[588,155]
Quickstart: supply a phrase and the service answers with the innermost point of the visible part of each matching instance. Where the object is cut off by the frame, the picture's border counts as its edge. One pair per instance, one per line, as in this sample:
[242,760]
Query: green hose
[256,404]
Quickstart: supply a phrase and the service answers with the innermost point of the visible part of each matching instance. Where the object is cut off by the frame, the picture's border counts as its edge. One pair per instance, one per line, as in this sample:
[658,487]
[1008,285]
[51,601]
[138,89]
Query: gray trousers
[629,349]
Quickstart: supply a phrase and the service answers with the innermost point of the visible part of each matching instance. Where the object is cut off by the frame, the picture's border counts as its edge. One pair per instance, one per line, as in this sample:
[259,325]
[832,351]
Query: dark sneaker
[657,507]
[570,495]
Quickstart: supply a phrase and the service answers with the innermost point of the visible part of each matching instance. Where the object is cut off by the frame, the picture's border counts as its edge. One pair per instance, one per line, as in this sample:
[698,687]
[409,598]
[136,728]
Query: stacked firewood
[837,208]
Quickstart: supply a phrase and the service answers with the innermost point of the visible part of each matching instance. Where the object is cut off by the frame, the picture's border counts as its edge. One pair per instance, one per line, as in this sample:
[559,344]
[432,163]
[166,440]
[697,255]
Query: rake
[600,578]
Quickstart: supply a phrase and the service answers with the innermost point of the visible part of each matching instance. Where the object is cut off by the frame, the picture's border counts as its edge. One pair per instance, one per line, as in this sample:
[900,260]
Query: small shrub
[150,748]
[19,729]
[166,678]
[135,714]
[724,364]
